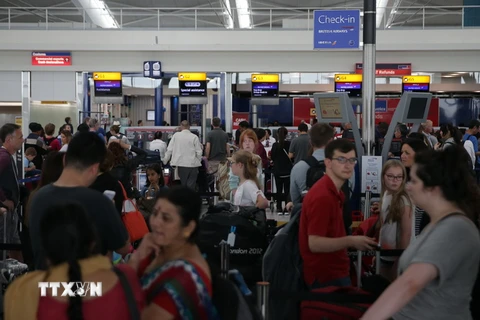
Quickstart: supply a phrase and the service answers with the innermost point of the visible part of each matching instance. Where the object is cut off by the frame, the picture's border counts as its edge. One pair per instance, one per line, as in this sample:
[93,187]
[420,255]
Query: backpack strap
[127,289]
[312,161]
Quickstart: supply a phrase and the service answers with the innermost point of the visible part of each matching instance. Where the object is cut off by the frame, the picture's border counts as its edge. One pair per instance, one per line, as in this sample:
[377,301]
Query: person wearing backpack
[437,272]
[323,239]
[320,134]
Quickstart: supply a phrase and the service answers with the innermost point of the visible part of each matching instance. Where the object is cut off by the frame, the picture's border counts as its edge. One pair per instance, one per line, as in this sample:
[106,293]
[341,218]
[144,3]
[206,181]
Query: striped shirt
[418,219]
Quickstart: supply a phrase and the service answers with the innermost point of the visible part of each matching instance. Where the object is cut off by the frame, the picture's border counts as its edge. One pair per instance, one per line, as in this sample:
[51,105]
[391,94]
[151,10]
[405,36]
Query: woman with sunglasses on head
[437,272]
[396,219]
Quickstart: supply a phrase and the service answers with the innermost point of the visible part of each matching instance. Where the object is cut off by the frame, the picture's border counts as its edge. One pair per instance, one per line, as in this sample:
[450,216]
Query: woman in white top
[396,216]
[66,137]
[244,166]
[158,144]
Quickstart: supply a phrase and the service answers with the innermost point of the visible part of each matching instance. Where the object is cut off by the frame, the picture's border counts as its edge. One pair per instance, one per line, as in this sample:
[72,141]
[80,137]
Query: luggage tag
[231,237]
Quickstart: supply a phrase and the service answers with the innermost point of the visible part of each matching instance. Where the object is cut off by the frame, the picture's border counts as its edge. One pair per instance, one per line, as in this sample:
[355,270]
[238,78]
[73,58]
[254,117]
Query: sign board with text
[416,84]
[265,85]
[349,83]
[108,84]
[192,84]
[388,69]
[336,29]
[51,58]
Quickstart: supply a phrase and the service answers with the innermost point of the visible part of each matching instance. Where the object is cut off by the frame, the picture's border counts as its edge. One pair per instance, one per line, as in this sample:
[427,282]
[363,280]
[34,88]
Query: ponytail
[74,311]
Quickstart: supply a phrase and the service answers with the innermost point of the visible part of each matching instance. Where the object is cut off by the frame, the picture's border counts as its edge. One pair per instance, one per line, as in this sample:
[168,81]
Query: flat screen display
[417,108]
[265,89]
[416,87]
[354,89]
[108,88]
[193,88]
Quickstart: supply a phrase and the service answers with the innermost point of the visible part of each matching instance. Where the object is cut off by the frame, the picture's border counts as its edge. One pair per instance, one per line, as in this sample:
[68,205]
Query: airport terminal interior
[266,159]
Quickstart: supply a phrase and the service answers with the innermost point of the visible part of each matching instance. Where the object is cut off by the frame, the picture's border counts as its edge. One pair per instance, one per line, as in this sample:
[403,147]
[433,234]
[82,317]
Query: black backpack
[283,268]
[316,172]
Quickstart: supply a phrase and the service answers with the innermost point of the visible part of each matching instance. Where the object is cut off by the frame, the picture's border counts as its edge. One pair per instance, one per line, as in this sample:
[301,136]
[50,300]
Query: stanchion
[359,269]
[225,259]
[262,298]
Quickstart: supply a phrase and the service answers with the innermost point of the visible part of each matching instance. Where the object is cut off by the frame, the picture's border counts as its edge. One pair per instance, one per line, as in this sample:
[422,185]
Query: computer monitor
[417,108]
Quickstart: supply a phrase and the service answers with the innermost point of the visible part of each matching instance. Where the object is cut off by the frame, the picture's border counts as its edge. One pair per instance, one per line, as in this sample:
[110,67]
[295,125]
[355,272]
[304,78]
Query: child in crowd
[155,181]
[29,167]
[396,216]
[244,166]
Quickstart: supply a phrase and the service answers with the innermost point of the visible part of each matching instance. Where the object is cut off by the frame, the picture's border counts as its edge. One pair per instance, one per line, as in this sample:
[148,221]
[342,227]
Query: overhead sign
[388,69]
[265,85]
[51,58]
[108,84]
[152,69]
[350,83]
[416,84]
[107,76]
[348,78]
[416,79]
[192,84]
[336,29]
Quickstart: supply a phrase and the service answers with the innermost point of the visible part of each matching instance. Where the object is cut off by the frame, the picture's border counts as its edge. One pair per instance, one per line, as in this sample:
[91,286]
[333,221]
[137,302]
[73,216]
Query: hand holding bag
[132,218]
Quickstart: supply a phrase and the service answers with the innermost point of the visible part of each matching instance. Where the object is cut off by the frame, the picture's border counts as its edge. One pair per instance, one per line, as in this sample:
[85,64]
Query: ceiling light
[243,13]
[447,76]
[440,91]
[381,6]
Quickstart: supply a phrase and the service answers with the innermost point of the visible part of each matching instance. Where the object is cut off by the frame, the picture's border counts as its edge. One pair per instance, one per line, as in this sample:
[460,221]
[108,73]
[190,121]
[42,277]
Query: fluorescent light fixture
[440,91]
[228,19]
[99,13]
[381,7]
[243,13]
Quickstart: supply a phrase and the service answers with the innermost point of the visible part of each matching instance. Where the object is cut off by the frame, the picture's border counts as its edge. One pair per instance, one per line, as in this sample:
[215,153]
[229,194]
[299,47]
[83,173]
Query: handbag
[132,218]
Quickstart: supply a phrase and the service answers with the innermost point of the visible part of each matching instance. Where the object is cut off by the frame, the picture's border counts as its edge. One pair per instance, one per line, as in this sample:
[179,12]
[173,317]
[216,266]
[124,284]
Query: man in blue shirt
[470,134]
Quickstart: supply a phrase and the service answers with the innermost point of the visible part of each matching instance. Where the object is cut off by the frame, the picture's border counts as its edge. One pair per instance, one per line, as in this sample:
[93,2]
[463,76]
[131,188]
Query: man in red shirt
[322,238]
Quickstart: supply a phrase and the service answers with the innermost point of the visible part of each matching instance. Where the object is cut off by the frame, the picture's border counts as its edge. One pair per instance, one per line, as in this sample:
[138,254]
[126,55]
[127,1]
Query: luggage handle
[224,259]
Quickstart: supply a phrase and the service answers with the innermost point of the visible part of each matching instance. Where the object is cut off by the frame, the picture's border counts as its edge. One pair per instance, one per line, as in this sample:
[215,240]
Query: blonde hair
[250,163]
[396,207]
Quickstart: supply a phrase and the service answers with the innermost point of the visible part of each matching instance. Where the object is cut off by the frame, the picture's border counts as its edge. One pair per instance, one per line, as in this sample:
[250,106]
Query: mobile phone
[109,194]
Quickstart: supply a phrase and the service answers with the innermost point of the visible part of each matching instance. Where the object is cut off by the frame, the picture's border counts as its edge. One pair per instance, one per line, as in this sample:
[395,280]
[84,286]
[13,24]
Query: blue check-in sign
[336,29]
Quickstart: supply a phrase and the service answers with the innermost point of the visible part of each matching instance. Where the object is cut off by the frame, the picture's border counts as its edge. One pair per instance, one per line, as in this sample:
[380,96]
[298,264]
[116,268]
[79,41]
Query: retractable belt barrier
[26,180]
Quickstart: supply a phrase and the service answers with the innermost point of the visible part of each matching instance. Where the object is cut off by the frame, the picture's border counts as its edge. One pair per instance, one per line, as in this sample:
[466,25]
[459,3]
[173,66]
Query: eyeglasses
[394,178]
[343,160]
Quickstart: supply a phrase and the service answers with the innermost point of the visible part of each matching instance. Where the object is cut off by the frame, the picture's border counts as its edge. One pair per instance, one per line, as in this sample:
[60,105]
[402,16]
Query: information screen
[108,88]
[354,89]
[416,87]
[193,88]
[265,89]
[417,108]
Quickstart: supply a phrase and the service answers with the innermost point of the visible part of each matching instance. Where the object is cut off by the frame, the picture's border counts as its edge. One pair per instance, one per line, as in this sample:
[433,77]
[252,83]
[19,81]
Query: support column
[369,60]
[254,116]
[159,104]
[81,94]
[226,100]
[26,83]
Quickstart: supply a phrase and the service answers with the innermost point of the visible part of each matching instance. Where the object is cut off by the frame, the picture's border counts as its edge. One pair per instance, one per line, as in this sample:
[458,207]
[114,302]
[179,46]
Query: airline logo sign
[51,59]
[348,78]
[416,79]
[336,29]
